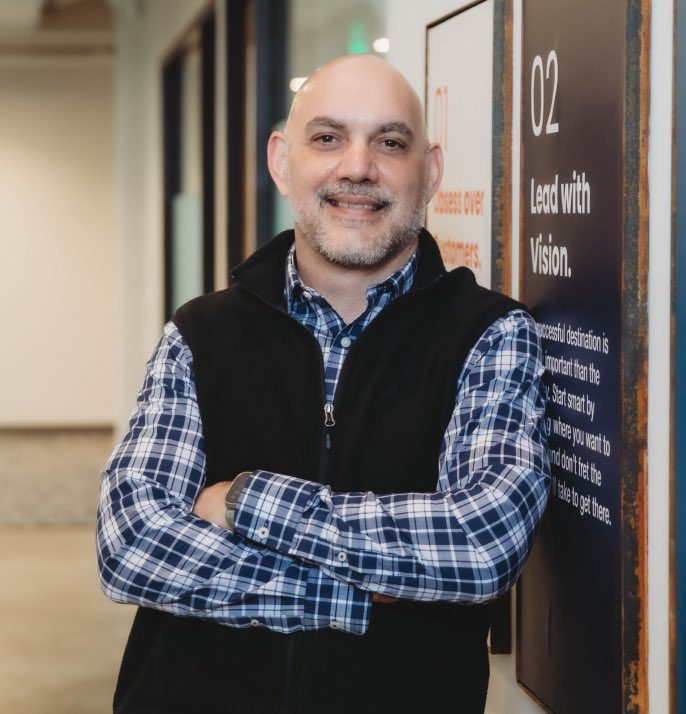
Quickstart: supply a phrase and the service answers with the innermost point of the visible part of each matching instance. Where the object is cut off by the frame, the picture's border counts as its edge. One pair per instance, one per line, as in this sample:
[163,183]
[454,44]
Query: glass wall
[188,177]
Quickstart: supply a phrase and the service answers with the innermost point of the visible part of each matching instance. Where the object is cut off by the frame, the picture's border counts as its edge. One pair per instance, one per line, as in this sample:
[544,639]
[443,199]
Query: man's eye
[392,144]
[325,139]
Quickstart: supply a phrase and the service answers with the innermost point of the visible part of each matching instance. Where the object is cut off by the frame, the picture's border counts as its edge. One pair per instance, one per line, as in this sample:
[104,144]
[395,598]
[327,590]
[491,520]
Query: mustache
[358,190]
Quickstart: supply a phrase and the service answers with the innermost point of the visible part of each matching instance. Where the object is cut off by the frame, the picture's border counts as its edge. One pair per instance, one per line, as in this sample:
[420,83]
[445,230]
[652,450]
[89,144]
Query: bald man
[338,462]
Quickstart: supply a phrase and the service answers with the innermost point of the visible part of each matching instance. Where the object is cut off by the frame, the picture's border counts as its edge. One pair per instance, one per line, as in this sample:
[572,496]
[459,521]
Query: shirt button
[254,623]
[342,557]
[262,532]
[335,625]
[346,342]
[307,295]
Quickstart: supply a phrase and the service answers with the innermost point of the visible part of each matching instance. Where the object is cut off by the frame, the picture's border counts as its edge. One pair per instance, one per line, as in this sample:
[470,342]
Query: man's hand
[210,503]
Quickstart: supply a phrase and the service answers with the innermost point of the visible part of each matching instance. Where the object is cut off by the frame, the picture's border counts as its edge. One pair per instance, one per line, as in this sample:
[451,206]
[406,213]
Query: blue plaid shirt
[304,557]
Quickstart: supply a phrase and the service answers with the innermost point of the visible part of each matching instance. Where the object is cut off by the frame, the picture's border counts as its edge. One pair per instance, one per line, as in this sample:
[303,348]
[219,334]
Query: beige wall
[57,232]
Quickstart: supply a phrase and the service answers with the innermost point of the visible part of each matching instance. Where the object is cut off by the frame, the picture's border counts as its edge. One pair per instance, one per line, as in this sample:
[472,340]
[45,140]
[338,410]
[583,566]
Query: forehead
[370,95]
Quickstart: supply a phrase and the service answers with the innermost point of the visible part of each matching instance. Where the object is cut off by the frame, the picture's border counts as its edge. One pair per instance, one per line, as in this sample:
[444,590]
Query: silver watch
[232,496]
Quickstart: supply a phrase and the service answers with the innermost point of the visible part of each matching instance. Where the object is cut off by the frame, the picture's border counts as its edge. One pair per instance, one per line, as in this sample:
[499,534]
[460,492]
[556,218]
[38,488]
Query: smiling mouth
[356,205]
[356,200]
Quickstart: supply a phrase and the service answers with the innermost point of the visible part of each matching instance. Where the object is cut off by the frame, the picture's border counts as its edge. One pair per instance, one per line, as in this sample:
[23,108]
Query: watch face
[232,495]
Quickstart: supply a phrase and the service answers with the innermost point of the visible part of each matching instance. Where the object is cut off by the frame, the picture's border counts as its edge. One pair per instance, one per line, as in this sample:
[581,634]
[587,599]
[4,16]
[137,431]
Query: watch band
[232,496]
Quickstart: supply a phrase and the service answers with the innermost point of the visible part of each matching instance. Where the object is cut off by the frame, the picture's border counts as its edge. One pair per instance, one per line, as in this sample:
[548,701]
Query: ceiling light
[381,45]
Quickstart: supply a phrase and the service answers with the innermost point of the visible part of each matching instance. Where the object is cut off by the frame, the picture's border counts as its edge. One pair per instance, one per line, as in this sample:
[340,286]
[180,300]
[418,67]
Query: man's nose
[357,163]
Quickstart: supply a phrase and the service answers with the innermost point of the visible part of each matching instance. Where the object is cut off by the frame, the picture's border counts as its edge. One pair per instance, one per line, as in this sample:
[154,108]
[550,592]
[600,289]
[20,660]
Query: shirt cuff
[334,605]
[270,508]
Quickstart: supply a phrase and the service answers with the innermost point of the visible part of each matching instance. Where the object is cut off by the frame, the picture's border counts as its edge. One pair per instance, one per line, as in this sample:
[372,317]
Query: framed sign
[468,114]
[581,638]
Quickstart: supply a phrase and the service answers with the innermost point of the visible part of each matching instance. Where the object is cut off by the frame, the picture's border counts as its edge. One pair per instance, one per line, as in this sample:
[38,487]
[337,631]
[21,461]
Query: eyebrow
[324,121]
[397,127]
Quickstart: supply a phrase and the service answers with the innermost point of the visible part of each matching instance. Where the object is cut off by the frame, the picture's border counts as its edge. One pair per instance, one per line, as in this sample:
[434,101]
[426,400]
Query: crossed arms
[303,557]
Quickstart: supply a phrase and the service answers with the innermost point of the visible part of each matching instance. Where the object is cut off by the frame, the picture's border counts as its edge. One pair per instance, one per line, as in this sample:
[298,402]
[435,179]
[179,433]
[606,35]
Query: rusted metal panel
[635,363]
[501,216]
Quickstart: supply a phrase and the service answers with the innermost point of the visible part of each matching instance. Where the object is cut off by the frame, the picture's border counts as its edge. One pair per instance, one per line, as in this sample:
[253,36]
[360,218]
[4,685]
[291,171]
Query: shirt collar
[397,284]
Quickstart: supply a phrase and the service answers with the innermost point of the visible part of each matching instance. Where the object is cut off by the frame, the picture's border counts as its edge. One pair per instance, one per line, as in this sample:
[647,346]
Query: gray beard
[371,254]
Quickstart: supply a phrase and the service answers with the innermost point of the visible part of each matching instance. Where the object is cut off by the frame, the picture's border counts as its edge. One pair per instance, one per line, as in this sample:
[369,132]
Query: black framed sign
[580,620]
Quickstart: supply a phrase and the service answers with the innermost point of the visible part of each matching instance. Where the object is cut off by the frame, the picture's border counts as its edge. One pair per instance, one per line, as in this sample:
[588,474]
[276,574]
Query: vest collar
[264,272]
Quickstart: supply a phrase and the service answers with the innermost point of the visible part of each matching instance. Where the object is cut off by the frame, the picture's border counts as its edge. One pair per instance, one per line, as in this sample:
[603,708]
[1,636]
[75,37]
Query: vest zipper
[329,423]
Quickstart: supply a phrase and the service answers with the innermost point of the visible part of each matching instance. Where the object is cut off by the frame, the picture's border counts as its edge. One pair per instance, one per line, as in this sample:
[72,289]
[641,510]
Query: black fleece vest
[259,381]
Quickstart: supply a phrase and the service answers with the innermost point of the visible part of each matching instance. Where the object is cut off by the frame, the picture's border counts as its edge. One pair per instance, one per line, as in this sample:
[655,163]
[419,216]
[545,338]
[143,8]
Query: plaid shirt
[303,557]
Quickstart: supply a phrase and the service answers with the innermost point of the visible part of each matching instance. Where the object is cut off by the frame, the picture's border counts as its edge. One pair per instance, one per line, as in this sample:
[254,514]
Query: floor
[61,640]
[33,461]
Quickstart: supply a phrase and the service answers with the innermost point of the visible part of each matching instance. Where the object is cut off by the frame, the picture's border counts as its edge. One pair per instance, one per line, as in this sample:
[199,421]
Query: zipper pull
[329,421]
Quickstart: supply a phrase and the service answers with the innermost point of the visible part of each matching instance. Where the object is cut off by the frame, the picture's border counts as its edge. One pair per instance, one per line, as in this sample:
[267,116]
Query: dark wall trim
[678,406]
[235,128]
[171,139]
[272,46]
[207,49]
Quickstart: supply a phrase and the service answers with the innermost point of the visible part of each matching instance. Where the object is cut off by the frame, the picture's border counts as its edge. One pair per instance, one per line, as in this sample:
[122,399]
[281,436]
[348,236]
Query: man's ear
[277,160]
[434,170]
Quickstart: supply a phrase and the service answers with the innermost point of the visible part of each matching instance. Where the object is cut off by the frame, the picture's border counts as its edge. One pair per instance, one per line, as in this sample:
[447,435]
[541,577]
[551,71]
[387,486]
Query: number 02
[538,84]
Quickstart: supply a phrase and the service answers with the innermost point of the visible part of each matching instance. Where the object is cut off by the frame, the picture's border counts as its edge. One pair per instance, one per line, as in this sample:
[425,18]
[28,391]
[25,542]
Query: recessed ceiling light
[381,45]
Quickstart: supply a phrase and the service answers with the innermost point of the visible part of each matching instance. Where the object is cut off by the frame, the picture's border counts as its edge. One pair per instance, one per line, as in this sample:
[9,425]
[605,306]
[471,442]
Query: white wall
[57,238]
[659,337]
[146,34]
[406,29]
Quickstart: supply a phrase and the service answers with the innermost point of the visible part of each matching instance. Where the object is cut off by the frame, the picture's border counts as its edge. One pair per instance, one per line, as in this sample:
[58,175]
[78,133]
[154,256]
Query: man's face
[358,168]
